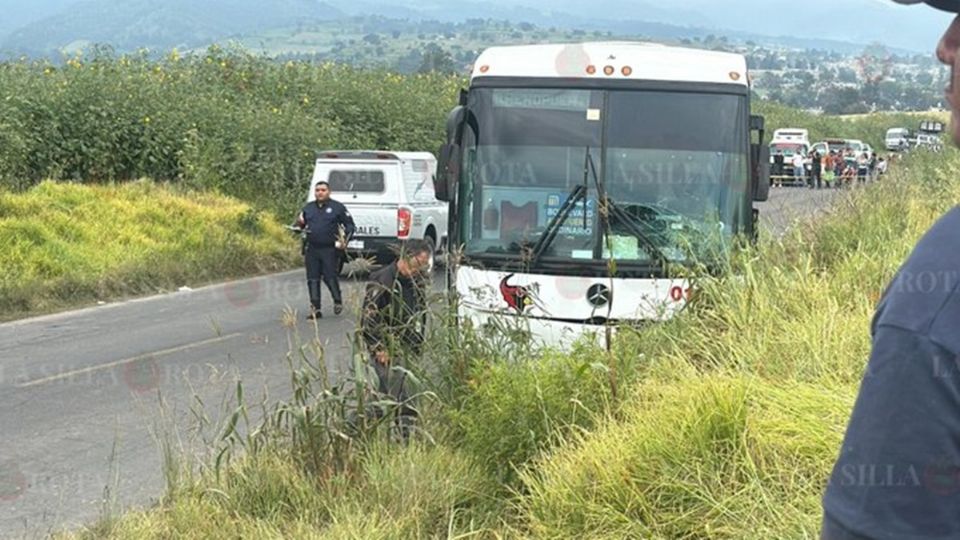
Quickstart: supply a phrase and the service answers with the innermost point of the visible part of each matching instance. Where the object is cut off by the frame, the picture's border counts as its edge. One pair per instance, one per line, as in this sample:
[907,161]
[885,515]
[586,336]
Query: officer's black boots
[313,286]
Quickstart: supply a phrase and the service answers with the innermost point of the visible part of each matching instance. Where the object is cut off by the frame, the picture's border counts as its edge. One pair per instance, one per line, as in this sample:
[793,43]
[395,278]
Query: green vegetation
[224,121]
[410,492]
[721,423]
[732,432]
[220,124]
[240,125]
[515,409]
[874,80]
[68,244]
[716,456]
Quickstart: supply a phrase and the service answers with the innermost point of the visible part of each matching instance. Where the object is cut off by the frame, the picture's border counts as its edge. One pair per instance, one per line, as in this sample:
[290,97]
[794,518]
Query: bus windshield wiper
[613,209]
[553,227]
[635,229]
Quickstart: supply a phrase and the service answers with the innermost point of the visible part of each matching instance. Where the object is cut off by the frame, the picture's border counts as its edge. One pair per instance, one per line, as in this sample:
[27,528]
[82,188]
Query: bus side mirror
[455,124]
[448,171]
[761,172]
[448,164]
[759,161]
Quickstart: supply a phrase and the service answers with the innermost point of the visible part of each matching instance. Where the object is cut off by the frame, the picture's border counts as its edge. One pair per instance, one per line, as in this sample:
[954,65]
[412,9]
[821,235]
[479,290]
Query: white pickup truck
[390,196]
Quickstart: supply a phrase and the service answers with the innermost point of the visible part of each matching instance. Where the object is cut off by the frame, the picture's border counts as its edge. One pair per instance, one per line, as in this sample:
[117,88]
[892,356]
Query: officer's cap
[946,5]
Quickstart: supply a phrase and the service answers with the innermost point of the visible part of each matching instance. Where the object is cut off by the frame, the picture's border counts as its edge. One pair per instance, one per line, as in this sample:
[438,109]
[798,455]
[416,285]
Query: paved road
[74,386]
[787,205]
[79,390]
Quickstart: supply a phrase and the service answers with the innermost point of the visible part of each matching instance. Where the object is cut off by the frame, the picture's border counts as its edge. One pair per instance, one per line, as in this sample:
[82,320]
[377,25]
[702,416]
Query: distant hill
[133,24]
[303,39]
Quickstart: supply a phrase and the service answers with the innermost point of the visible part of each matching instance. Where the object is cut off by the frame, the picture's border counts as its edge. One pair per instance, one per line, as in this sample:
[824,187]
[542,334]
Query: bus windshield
[674,164]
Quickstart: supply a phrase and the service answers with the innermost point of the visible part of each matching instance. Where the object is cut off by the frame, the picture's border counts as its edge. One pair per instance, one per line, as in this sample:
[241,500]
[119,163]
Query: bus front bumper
[542,332]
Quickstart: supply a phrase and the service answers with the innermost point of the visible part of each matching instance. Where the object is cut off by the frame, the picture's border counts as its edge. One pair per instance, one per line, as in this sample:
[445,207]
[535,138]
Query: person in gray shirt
[898,470]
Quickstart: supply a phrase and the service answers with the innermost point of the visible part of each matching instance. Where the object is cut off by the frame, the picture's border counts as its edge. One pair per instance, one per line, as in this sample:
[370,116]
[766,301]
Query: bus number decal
[678,293]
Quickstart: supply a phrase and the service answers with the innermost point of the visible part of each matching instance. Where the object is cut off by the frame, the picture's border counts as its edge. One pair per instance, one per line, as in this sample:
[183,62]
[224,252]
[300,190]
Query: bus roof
[623,61]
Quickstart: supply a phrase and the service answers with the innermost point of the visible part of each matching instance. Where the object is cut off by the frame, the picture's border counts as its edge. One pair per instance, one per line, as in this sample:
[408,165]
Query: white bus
[581,177]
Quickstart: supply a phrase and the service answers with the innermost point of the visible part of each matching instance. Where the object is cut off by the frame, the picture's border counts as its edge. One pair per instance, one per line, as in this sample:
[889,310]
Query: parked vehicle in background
[390,196]
[897,139]
[841,145]
[928,142]
[788,149]
[788,142]
[824,147]
[928,136]
[858,146]
[795,135]
[931,127]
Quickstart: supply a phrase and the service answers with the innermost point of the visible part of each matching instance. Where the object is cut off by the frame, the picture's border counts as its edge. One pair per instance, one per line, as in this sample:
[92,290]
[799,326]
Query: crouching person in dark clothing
[392,324]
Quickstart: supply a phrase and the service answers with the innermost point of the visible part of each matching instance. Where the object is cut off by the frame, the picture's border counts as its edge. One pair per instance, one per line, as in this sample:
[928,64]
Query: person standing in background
[799,173]
[328,225]
[815,172]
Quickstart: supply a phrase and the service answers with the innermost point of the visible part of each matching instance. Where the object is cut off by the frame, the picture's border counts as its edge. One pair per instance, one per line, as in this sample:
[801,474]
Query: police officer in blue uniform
[328,225]
[897,473]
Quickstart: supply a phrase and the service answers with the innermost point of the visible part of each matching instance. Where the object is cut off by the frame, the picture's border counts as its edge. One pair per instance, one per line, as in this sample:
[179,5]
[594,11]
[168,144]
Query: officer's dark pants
[394,383]
[322,263]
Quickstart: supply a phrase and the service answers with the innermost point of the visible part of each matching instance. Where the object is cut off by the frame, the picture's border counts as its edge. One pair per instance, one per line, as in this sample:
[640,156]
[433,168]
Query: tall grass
[516,409]
[67,244]
[734,428]
[398,492]
[711,457]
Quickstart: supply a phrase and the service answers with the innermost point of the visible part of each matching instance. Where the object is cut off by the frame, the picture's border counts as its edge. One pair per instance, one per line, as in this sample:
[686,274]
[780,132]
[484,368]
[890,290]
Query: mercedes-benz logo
[598,295]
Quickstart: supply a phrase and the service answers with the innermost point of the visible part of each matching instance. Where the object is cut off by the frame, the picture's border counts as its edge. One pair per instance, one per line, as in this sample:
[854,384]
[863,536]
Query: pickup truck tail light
[404,220]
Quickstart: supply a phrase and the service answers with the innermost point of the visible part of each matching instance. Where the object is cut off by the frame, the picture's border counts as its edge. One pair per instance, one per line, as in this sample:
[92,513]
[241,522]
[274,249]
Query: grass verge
[65,245]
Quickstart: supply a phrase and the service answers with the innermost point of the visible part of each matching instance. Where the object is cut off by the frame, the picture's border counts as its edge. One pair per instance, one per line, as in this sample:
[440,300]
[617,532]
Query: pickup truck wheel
[433,251]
